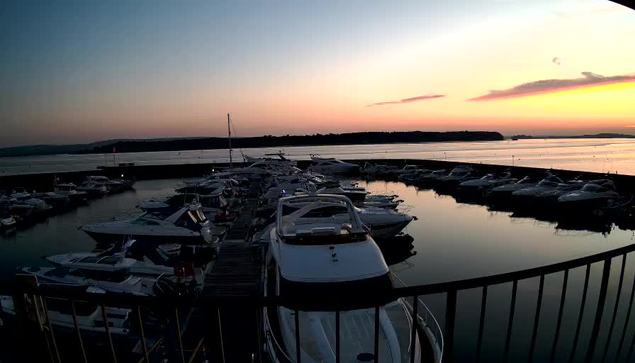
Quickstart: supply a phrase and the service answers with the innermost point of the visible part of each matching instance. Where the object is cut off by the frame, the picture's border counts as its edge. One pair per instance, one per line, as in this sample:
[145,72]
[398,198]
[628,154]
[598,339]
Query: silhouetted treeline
[289,140]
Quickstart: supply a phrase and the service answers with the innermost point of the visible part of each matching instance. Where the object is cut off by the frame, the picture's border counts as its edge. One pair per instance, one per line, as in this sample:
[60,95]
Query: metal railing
[180,346]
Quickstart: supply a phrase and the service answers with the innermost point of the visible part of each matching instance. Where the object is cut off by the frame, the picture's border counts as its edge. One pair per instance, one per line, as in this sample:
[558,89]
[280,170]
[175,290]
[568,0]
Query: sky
[83,71]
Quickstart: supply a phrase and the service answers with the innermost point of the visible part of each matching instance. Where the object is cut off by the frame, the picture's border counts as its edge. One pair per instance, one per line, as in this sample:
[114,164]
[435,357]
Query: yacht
[53,199]
[317,266]
[551,182]
[188,225]
[105,276]
[552,195]
[7,223]
[70,190]
[22,198]
[592,195]
[333,166]
[92,190]
[382,201]
[384,223]
[491,180]
[407,171]
[508,189]
[113,185]
[357,196]
[90,318]
[456,176]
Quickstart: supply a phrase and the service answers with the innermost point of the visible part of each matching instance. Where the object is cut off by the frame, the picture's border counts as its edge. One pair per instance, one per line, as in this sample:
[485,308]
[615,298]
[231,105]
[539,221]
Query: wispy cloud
[588,79]
[629,127]
[407,100]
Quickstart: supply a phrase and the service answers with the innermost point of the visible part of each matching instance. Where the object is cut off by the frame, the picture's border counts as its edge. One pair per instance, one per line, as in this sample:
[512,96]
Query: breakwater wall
[45,181]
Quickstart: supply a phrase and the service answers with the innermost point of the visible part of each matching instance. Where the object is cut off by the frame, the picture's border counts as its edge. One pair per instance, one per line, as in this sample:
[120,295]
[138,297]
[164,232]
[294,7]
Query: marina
[232,277]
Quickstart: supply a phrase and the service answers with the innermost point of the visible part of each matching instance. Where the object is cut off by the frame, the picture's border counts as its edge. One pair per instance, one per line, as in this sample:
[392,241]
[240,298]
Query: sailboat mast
[229,131]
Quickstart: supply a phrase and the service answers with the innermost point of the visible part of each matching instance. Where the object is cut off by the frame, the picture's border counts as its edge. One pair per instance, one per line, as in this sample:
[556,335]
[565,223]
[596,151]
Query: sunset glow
[82,72]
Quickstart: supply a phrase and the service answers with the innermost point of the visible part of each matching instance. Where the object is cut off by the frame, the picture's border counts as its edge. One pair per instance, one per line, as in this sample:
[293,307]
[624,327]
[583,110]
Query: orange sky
[291,69]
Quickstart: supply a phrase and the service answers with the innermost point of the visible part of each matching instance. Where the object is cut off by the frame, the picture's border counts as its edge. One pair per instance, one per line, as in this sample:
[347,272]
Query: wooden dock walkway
[236,272]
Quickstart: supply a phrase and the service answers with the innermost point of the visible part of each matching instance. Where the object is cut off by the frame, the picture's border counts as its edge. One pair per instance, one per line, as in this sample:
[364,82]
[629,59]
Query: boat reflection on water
[396,249]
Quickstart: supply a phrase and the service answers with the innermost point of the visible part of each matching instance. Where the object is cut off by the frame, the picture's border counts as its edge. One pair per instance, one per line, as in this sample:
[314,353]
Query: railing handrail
[416,290]
[471,283]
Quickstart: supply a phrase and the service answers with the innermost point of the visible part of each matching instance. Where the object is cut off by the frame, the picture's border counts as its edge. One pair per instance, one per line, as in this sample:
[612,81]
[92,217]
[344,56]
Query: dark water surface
[452,241]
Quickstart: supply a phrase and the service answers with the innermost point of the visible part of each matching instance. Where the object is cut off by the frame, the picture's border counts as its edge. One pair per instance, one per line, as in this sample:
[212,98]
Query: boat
[188,225]
[456,176]
[491,180]
[113,185]
[508,189]
[384,223]
[382,201]
[333,166]
[357,196]
[90,318]
[55,200]
[105,276]
[22,200]
[8,223]
[92,190]
[429,177]
[317,266]
[407,171]
[592,195]
[551,182]
[153,262]
[70,190]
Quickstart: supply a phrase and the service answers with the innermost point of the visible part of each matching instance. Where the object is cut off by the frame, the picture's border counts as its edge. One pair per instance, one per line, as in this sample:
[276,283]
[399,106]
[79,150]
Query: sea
[597,155]
[450,240]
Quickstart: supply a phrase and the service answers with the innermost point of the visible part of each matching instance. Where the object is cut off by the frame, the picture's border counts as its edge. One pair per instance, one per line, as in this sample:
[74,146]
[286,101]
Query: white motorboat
[357,196]
[53,199]
[70,190]
[92,189]
[318,265]
[333,166]
[150,264]
[429,176]
[592,195]
[26,199]
[508,189]
[407,171]
[384,223]
[382,201]
[7,223]
[551,182]
[457,175]
[188,225]
[113,185]
[103,276]
[90,318]
[491,180]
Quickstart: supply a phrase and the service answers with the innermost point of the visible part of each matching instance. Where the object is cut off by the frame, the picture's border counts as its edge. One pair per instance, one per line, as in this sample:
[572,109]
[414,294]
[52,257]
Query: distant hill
[289,140]
[603,135]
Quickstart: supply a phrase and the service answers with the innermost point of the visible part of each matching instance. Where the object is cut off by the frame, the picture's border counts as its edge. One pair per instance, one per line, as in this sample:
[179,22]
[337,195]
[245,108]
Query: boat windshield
[525,180]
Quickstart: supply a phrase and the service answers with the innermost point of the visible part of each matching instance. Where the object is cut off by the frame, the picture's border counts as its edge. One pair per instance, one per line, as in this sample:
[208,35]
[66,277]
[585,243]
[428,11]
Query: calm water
[599,155]
[451,240]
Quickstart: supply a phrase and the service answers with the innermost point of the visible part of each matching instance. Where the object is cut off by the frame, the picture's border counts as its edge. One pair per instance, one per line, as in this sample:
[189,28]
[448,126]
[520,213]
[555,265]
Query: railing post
[581,314]
[481,325]
[107,327]
[376,346]
[413,330]
[298,347]
[50,330]
[220,335]
[78,331]
[178,333]
[450,316]
[510,324]
[626,320]
[143,335]
[617,304]
[599,311]
[534,334]
[563,296]
[337,336]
